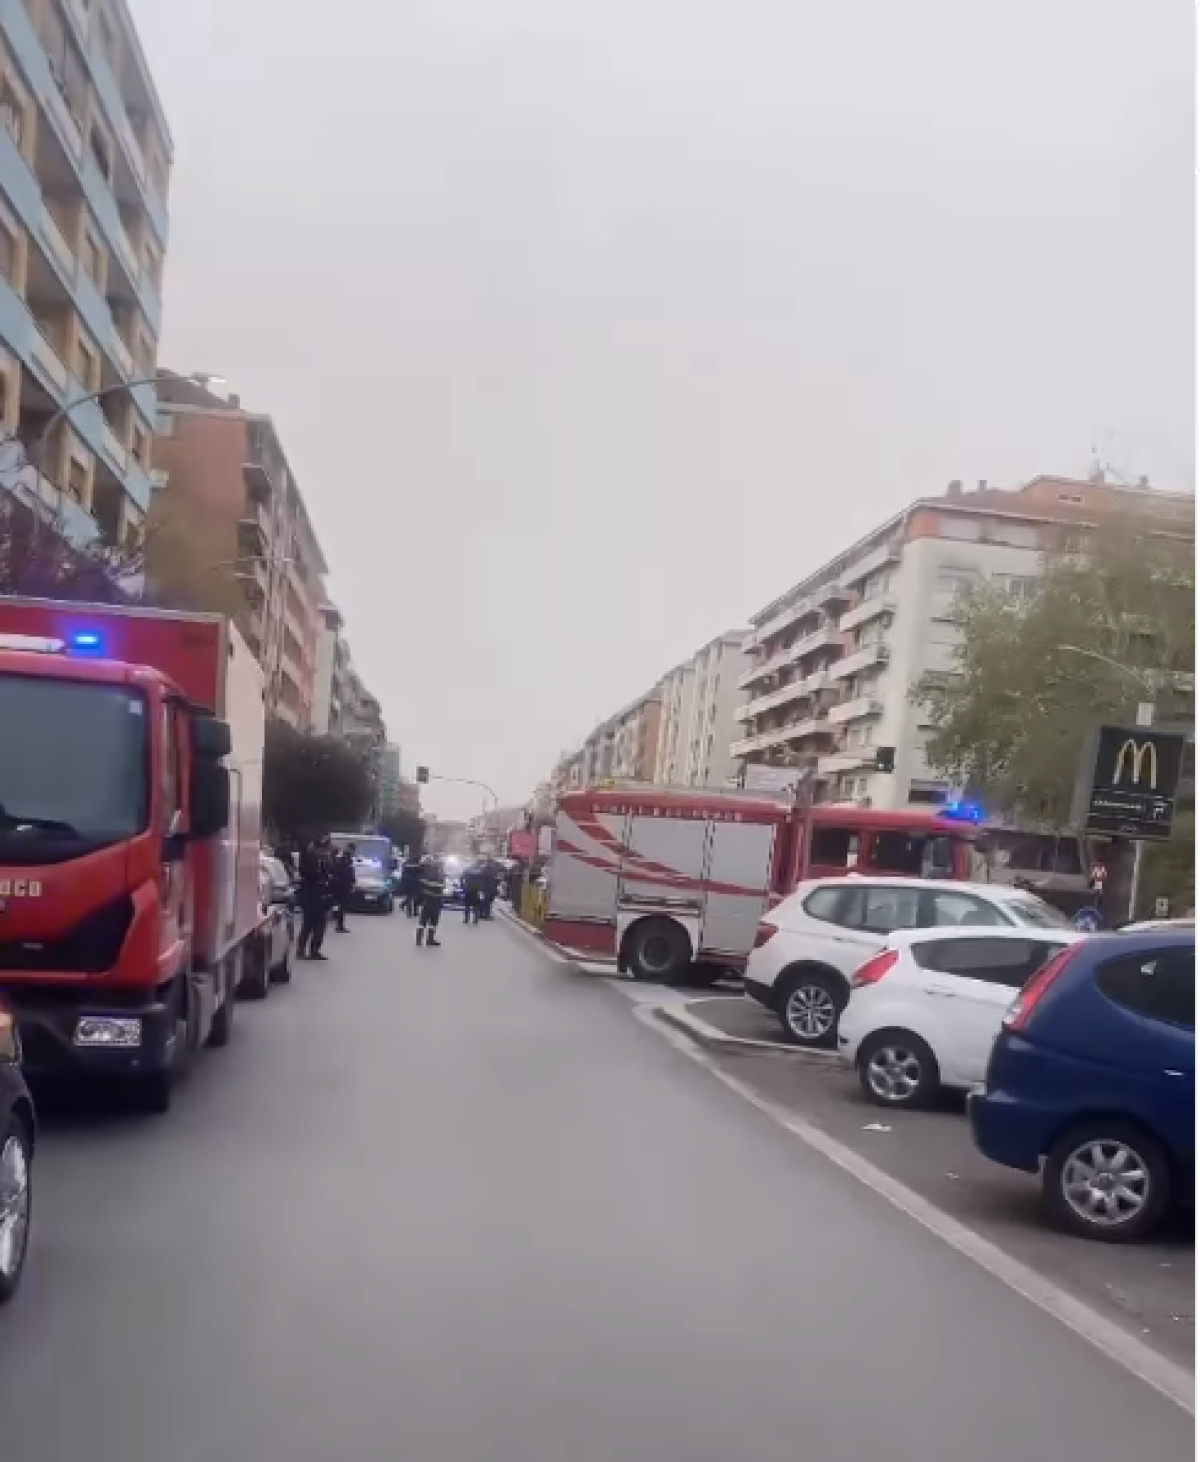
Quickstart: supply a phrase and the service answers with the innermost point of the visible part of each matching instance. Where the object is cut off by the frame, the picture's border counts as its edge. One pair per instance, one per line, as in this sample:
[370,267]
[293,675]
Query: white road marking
[1168,1378]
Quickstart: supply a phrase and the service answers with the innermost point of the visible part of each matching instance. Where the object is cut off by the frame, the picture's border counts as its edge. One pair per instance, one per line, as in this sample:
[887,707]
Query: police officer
[410,884]
[433,889]
[344,882]
[312,895]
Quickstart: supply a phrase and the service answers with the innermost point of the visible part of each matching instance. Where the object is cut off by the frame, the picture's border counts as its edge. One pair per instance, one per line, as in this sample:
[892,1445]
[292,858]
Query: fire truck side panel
[242,707]
[584,868]
[737,885]
[662,864]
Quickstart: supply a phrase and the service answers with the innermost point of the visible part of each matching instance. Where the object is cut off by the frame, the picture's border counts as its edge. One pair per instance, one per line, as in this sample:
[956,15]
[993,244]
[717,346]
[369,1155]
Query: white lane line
[1171,1380]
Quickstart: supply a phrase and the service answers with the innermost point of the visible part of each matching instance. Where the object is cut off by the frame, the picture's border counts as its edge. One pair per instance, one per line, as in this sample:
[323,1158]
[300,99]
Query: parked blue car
[1093,1080]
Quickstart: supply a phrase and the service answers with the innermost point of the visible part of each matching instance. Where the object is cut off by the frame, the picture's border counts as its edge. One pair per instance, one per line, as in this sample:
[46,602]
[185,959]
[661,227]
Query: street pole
[1145,719]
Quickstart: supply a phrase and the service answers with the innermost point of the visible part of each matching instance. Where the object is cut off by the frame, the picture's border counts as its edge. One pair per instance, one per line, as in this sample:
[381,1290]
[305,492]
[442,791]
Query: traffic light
[422,774]
[885,758]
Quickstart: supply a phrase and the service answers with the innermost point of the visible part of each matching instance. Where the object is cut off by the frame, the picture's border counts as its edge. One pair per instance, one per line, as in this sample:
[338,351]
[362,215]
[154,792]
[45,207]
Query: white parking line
[1173,1381]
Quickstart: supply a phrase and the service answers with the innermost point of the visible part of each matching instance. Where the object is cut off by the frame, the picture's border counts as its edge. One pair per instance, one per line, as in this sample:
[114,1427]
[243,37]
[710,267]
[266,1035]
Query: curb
[556,951]
[679,1014]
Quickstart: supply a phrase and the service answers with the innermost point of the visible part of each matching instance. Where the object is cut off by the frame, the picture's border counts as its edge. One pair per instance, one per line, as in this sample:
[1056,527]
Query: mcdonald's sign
[1128,782]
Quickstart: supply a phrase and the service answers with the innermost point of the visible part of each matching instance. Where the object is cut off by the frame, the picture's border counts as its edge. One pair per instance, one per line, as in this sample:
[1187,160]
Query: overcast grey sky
[591,327]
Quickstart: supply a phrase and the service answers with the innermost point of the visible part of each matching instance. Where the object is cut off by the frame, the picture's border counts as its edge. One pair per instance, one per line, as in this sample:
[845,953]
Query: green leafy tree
[1029,678]
[312,784]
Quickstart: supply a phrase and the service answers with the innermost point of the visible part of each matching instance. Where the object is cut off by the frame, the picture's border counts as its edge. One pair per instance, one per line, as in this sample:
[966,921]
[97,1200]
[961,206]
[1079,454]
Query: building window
[101,148]
[88,366]
[13,110]
[95,261]
[140,446]
[77,479]
[10,249]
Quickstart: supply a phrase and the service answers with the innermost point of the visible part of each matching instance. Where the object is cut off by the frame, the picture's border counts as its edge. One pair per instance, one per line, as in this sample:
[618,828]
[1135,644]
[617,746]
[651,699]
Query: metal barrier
[533,906]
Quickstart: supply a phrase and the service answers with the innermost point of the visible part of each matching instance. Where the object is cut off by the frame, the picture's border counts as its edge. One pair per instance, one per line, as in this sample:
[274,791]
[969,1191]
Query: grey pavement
[1148,1288]
[460,1205]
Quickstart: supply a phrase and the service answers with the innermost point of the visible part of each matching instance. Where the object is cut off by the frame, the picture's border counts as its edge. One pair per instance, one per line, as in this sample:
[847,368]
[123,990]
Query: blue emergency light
[85,642]
[963,811]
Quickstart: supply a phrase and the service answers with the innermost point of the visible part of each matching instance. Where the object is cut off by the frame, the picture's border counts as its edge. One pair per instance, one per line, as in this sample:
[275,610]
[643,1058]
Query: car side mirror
[210,798]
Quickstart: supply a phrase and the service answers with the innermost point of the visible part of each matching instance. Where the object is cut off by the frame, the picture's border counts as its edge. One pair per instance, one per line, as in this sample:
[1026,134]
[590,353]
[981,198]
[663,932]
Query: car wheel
[658,950]
[809,1006]
[1106,1180]
[16,1203]
[897,1069]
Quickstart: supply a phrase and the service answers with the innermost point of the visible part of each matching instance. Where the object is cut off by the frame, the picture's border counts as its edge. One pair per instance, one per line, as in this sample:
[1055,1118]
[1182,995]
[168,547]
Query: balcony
[864,659]
[781,735]
[878,558]
[252,534]
[832,595]
[855,709]
[48,359]
[836,762]
[780,622]
[56,243]
[869,609]
[114,450]
[257,470]
[825,636]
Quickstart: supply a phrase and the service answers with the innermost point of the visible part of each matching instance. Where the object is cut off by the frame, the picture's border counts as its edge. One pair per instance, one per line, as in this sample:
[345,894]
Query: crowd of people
[325,881]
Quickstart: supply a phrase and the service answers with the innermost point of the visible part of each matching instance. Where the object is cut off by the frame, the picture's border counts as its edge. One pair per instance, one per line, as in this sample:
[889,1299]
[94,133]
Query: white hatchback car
[808,946]
[925,1011]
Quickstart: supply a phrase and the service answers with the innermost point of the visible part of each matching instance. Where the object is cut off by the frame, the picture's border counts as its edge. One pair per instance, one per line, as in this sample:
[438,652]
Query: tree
[39,560]
[1011,715]
[312,784]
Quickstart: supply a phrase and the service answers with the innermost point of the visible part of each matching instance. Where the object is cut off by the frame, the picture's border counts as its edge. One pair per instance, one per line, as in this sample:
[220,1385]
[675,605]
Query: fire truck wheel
[658,950]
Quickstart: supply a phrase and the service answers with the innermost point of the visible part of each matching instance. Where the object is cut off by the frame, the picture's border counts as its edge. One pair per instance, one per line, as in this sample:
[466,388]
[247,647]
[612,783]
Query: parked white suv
[808,947]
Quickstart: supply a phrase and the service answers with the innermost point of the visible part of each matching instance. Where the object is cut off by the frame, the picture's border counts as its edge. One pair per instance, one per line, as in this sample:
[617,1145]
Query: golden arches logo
[1141,756]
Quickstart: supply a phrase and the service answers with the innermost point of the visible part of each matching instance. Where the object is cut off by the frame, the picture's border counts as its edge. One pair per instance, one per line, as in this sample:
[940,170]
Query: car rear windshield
[1037,913]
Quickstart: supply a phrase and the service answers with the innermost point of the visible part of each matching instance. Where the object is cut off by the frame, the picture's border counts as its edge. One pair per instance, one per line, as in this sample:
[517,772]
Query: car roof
[902,938]
[1119,941]
[939,885]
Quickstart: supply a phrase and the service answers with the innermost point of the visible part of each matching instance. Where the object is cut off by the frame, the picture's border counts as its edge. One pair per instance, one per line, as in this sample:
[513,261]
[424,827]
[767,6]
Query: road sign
[1127,782]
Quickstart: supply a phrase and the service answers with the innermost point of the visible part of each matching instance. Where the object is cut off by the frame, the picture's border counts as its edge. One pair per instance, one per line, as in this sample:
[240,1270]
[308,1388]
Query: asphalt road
[458,1205]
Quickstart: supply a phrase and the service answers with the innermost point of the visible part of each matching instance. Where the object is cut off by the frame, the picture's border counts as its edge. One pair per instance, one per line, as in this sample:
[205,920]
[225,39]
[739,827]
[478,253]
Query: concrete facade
[230,530]
[84,166]
[697,723]
[834,661]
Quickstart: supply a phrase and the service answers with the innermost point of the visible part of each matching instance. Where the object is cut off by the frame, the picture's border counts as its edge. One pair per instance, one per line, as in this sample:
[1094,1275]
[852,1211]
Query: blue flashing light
[963,811]
[85,642]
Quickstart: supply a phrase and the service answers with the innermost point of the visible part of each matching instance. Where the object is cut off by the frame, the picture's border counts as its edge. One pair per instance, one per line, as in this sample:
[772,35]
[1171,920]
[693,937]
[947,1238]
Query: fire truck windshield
[73,766]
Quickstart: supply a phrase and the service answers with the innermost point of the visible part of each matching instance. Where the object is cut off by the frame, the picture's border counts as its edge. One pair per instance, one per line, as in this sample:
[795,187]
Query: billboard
[1128,782]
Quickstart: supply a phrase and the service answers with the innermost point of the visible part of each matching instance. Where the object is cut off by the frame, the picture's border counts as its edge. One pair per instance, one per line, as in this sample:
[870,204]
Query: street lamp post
[1145,717]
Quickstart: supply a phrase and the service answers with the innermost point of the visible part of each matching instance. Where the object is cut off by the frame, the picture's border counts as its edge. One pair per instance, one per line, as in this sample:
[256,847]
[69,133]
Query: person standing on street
[489,885]
[471,895]
[410,885]
[311,895]
[343,878]
[433,890]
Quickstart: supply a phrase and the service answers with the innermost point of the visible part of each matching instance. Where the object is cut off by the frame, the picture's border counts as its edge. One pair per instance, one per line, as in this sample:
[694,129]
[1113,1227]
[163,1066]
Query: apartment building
[626,745]
[697,722]
[329,681]
[834,660]
[84,164]
[389,780]
[230,516]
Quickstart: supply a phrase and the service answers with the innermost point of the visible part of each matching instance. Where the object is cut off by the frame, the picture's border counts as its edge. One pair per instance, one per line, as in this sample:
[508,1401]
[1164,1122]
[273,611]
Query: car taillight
[1018,1015]
[764,932]
[874,969]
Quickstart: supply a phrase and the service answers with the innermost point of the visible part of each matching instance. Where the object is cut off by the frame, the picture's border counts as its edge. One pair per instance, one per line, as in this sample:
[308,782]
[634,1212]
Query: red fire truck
[663,879]
[131,747]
